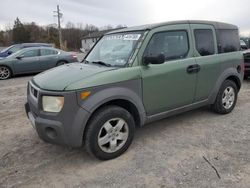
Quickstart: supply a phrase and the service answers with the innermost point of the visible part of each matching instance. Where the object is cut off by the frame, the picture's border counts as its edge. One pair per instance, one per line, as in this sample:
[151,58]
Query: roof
[217,25]
[33,44]
[98,34]
[95,34]
[39,47]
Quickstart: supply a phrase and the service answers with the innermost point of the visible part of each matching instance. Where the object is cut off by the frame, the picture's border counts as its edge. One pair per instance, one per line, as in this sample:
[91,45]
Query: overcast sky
[126,12]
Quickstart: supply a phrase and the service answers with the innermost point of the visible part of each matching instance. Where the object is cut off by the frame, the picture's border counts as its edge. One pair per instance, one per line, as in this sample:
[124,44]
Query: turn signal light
[85,94]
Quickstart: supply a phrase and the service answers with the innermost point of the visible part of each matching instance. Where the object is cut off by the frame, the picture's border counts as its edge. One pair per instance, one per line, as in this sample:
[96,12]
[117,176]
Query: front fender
[8,64]
[130,91]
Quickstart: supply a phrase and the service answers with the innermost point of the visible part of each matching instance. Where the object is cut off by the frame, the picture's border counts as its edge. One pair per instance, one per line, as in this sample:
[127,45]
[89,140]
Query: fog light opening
[50,132]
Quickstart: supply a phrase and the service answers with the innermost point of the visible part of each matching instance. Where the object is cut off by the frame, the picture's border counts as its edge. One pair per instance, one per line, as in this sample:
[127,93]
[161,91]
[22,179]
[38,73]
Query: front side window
[204,41]
[172,44]
[114,49]
[30,53]
[45,52]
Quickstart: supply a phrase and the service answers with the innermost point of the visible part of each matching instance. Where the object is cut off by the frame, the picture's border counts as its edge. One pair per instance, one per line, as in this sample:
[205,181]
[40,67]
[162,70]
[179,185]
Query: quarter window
[228,41]
[204,41]
[172,44]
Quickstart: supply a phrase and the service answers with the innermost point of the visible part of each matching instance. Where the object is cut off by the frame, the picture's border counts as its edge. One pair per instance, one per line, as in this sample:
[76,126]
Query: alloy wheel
[228,97]
[4,73]
[113,135]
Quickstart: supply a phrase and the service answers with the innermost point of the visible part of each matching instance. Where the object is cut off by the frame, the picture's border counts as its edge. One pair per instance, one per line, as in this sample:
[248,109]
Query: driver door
[169,85]
[27,61]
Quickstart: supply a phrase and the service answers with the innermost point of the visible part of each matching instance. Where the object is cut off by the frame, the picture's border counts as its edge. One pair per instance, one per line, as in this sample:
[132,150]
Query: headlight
[52,103]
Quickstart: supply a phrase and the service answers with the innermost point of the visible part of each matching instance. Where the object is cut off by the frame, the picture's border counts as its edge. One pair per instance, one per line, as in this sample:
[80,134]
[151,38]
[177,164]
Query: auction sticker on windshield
[131,37]
[123,37]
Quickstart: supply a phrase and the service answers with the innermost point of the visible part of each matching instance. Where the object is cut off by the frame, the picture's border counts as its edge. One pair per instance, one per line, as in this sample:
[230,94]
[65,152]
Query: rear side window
[228,41]
[172,44]
[45,52]
[204,41]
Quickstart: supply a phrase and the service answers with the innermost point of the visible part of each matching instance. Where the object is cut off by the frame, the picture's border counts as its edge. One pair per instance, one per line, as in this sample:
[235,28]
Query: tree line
[31,32]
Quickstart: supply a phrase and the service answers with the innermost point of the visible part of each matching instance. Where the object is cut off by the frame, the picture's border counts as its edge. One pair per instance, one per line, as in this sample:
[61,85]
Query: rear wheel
[226,98]
[5,72]
[61,63]
[109,133]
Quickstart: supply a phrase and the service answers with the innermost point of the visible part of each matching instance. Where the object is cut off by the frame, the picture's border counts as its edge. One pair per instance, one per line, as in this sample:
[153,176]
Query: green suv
[135,76]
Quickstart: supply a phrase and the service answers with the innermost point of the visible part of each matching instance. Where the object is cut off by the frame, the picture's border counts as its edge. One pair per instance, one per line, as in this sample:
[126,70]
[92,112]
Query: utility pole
[59,15]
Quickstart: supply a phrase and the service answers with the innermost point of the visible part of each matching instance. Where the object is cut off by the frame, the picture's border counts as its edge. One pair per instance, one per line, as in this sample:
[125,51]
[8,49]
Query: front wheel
[109,133]
[5,72]
[226,98]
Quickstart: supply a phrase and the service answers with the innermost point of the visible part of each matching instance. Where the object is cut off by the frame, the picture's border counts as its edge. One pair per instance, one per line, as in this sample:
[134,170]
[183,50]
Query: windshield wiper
[101,63]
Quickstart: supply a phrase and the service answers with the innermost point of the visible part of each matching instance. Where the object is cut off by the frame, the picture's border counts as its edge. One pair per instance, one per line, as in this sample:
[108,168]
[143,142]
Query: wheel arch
[123,103]
[228,74]
[236,80]
[62,60]
[11,69]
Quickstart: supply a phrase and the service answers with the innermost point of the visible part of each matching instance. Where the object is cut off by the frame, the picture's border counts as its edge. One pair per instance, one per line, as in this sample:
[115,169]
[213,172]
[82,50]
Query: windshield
[15,54]
[6,49]
[114,49]
[12,49]
[242,43]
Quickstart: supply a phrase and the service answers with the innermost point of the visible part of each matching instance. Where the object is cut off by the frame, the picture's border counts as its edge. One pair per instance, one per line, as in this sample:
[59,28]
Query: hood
[57,79]
[3,54]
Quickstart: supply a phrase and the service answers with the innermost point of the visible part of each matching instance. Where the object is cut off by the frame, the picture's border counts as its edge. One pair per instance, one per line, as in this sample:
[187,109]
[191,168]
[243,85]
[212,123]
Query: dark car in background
[246,41]
[16,47]
[243,45]
[247,63]
[33,60]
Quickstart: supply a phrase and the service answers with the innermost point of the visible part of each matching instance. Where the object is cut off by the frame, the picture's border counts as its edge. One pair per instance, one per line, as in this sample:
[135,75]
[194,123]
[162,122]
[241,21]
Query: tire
[61,63]
[109,132]
[5,72]
[226,98]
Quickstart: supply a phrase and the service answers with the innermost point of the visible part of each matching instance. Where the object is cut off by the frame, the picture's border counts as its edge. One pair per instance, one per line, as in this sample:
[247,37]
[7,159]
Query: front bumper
[65,127]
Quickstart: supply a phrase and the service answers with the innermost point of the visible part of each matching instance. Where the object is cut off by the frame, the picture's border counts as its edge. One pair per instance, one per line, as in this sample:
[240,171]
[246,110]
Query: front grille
[33,91]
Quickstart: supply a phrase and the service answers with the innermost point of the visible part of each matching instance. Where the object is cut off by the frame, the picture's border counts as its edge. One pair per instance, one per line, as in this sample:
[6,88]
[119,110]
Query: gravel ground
[168,153]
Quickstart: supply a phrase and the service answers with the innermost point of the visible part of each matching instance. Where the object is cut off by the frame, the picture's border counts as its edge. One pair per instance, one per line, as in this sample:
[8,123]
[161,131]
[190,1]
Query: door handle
[193,68]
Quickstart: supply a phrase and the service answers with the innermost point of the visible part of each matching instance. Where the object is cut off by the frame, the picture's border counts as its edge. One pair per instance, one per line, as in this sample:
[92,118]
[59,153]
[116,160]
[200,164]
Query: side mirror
[19,57]
[154,59]
[9,52]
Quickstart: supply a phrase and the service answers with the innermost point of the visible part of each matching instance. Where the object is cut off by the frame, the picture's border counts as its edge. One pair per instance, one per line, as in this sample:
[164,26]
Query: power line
[59,15]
